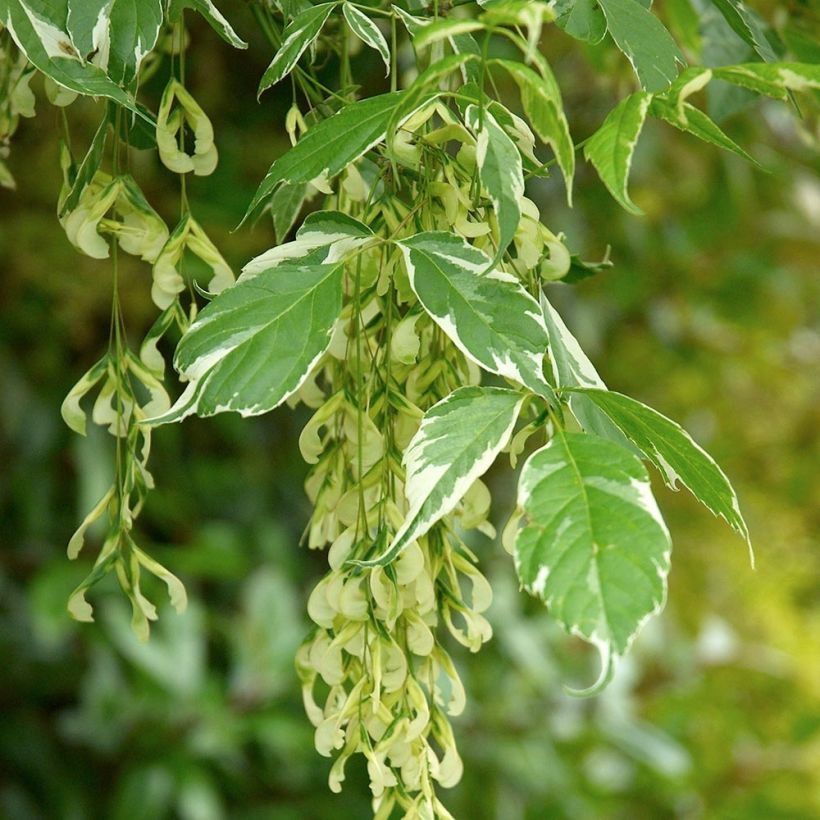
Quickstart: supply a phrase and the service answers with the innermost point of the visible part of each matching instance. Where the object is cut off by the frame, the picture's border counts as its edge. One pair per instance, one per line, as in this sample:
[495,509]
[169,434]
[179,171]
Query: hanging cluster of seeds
[408,311]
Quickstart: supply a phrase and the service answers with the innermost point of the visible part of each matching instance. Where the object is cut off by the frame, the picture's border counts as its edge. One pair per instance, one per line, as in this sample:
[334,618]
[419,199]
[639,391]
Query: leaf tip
[604,678]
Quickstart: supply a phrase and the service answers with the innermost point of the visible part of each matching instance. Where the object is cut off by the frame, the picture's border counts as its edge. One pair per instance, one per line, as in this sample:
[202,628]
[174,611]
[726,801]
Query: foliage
[426,264]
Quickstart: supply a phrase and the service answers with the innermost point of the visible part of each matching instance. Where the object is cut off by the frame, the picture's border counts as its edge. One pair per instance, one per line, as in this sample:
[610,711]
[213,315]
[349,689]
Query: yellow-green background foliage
[710,315]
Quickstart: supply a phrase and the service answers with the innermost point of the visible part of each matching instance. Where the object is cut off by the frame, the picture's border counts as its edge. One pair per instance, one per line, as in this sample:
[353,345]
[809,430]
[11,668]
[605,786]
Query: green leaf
[746,24]
[43,39]
[123,30]
[88,167]
[285,205]
[299,34]
[412,23]
[466,44]
[457,443]
[256,343]
[580,269]
[594,546]
[645,41]
[672,450]
[571,368]
[582,19]
[329,146]
[611,147]
[542,103]
[486,313]
[500,172]
[326,235]
[772,79]
[367,31]
[217,22]
[693,121]
[444,28]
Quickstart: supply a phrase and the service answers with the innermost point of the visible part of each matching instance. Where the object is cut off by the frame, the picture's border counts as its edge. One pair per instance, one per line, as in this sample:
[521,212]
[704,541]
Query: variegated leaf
[121,32]
[594,546]
[326,235]
[645,42]
[331,145]
[541,99]
[256,343]
[572,368]
[486,313]
[367,31]
[673,451]
[582,19]
[457,443]
[611,147]
[38,28]
[500,172]
[772,79]
[300,33]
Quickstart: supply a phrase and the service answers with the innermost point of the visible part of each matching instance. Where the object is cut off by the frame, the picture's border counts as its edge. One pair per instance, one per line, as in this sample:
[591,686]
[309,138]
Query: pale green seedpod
[557,265]
[77,540]
[169,122]
[77,606]
[354,185]
[409,565]
[310,443]
[6,178]
[327,660]
[71,411]
[159,401]
[167,281]
[475,507]
[471,230]
[21,98]
[81,225]
[420,639]
[142,232]
[353,603]
[294,121]
[457,700]
[320,611]
[381,776]
[105,413]
[201,245]
[478,630]
[57,94]
[176,589]
[149,352]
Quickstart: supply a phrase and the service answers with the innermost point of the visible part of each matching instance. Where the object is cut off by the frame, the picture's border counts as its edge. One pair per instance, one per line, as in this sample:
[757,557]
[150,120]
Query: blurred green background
[711,314]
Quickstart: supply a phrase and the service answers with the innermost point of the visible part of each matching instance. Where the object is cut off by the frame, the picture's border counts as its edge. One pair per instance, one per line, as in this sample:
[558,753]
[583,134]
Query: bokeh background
[711,314]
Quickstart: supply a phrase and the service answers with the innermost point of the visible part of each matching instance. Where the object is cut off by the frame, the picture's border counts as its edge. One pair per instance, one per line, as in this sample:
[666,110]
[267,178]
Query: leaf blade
[457,442]
[644,41]
[486,313]
[500,172]
[367,31]
[674,452]
[594,546]
[611,148]
[297,37]
[240,354]
[330,145]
